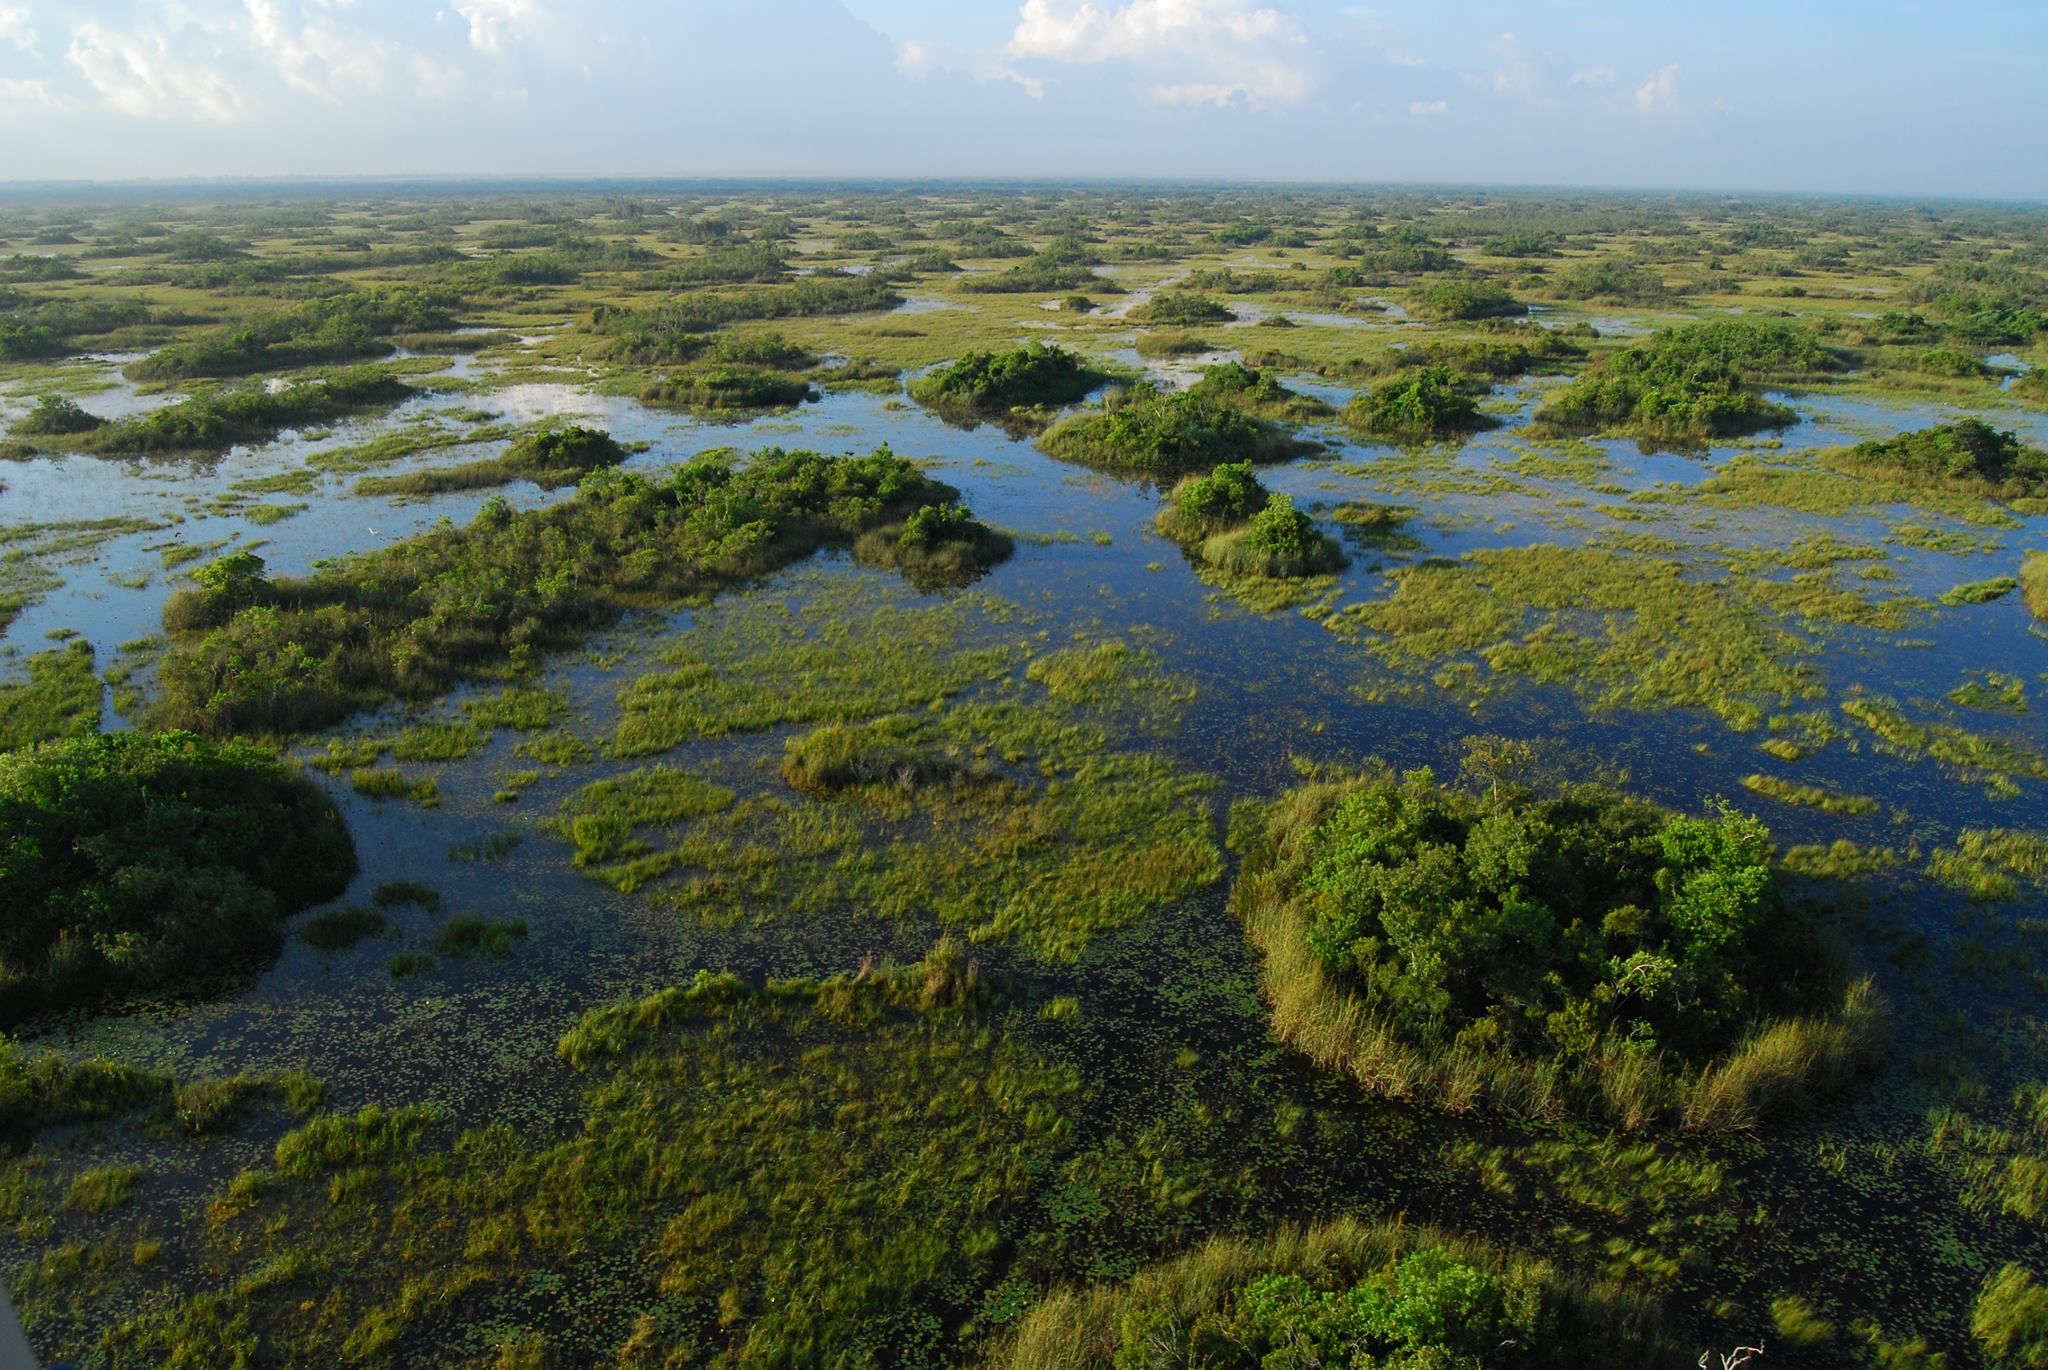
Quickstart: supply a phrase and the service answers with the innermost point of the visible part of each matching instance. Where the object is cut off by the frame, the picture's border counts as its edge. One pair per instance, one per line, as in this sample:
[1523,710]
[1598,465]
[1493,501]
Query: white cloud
[144,75]
[1405,59]
[1520,73]
[34,94]
[1659,94]
[1198,51]
[318,59]
[1428,109]
[916,59]
[1597,77]
[433,80]
[495,24]
[14,28]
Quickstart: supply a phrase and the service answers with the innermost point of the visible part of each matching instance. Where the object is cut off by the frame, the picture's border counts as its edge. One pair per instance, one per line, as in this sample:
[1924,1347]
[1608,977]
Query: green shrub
[1967,455]
[1428,403]
[1692,382]
[551,459]
[1163,433]
[335,329]
[1061,266]
[217,420]
[1200,505]
[1464,297]
[56,415]
[728,388]
[1180,309]
[132,863]
[939,544]
[1614,282]
[991,385]
[1586,950]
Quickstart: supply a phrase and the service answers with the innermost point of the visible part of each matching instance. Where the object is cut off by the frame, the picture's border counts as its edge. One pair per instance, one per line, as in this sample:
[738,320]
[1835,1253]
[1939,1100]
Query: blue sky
[1882,96]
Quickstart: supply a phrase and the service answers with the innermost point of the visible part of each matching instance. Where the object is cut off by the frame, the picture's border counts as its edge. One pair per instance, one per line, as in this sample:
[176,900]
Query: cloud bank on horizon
[1887,96]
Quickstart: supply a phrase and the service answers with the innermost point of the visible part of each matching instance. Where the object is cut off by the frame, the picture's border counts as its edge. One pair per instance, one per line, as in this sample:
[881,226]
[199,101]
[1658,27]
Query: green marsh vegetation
[1014,814]
[1457,298]
[1694,382]
[1180,309]
[790,775]
[1547,956]
[551,459]
[2034,583]
[211,422]
[340,328]
[727,388]
[1059,268]
[1018,389]
[137,863]
[1230,524]
[248,653]
[1431,402]
[60,698]
[1348,1293]
[1150,431]
[1968,456]
[939,544]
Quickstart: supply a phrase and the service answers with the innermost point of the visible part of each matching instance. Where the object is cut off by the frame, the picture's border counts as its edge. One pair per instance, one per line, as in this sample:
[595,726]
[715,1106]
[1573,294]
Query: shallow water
[479,1036]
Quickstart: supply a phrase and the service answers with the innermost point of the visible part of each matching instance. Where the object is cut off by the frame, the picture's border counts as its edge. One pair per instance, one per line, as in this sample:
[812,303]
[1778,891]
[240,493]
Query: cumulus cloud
[1194,51]
[1597,77]
[917,59]
[148,74]
[314,56]
[495,25]
[1659,94]
[14,29]
[1428,109]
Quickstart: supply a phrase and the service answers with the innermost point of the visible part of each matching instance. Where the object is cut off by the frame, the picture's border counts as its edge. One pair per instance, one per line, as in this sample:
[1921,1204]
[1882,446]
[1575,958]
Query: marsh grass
[2034,583]
[551,459]
[1810,796]
[340,929]
[942,1123]
[472,934]
[1624,630]
[60,698]
[1208,1300]
[1029,770]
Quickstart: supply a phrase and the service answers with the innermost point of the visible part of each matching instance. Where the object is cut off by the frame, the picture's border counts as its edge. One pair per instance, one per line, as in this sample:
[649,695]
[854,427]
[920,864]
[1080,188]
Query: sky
[1893,97]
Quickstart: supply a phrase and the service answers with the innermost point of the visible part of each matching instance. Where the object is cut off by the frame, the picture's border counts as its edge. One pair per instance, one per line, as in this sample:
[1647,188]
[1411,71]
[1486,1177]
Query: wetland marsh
[1485,794]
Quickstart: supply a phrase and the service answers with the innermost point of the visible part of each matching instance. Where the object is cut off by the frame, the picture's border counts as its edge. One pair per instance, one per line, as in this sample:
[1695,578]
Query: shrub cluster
[132,863]
[253,654]
[1542,952]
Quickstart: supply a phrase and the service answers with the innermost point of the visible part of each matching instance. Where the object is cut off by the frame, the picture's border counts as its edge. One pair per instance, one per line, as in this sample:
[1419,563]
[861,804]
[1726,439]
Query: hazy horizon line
[453,180]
